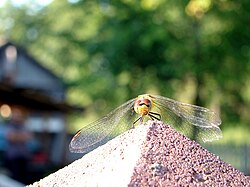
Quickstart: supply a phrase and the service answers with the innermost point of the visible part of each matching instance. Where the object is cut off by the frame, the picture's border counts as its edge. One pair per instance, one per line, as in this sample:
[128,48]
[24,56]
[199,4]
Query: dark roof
[35,62]
[40,89]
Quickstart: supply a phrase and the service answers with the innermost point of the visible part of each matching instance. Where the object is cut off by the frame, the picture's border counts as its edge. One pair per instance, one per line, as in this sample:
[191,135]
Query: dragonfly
[186,118]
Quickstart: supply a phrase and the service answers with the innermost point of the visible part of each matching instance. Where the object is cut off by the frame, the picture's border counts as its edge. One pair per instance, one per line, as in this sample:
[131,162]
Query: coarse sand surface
[153,154]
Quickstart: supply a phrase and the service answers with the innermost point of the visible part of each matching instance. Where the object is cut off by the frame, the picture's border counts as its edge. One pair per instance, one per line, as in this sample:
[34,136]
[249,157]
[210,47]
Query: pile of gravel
[153,154]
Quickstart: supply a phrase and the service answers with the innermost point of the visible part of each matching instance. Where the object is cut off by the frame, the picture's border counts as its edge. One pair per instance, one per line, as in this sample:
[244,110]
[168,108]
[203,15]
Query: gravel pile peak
[153,154]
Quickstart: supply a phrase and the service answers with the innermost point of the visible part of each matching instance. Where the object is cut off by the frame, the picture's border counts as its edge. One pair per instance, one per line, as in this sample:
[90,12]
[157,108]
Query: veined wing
[104,129]
[186,116]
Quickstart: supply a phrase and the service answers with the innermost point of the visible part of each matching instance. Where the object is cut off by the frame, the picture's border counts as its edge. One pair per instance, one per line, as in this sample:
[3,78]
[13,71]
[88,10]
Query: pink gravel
[153,154]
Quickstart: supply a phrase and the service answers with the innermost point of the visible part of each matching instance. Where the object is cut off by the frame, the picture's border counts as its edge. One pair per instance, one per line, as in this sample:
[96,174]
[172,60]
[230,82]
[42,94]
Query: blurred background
[65,63]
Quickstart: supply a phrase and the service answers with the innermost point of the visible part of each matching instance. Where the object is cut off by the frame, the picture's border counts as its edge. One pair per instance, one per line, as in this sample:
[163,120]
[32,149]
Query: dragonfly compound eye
[142,106]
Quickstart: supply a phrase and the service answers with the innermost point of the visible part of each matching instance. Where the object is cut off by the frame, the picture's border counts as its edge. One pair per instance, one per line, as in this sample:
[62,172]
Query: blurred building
[27,85]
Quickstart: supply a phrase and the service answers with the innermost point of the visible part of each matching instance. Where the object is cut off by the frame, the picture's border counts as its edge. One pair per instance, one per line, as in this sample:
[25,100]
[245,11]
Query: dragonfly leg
[141,120]
[136,121]
[154,115]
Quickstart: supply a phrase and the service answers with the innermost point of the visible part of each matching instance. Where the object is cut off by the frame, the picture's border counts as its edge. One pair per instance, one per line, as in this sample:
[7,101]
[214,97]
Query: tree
[110,51]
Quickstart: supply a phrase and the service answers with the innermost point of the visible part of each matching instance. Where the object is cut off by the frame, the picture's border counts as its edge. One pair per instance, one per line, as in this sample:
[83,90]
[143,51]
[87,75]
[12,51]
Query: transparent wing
[99,132]
[193,121]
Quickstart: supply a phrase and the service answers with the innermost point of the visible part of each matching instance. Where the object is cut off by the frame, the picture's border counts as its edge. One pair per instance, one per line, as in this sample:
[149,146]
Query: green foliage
[110,51]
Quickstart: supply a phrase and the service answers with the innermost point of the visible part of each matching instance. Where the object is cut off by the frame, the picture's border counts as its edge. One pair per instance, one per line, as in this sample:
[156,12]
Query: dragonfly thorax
[142,106]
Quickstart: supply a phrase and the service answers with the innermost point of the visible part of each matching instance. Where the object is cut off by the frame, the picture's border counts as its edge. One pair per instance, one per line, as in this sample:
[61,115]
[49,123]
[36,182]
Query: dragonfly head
[142,106]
